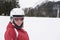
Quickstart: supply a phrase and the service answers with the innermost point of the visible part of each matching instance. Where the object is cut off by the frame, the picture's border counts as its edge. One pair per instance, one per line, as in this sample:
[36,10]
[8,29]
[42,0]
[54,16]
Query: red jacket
[10,33]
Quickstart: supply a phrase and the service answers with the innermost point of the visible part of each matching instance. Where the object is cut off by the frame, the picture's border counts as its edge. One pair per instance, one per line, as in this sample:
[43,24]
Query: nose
[19,21]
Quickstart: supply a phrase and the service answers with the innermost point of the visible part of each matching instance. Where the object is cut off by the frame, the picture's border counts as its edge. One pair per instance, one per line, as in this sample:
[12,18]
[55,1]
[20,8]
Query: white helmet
[16,11]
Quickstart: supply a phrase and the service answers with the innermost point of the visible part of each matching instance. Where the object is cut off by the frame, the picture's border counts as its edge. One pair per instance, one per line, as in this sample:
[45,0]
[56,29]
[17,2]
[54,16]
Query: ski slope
[38,28]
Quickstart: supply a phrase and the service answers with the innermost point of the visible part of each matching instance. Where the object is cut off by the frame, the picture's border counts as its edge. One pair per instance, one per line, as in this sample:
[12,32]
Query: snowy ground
[38,28]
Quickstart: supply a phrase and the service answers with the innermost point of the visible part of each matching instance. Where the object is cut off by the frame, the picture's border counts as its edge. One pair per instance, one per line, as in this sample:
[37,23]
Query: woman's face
[18,20]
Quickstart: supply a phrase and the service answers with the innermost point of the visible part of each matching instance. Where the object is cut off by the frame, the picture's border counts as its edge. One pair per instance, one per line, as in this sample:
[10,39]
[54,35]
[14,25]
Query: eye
[17,19]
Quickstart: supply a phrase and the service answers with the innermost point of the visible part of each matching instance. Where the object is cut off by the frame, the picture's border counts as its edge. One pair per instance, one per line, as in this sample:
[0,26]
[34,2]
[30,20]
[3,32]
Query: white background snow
[38,28]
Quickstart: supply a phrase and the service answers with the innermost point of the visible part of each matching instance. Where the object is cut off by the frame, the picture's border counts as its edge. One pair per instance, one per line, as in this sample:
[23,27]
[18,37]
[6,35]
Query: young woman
[15,29]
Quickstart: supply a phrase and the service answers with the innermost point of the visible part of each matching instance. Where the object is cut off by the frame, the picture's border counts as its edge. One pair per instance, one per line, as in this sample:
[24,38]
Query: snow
[32,3]
[38,28]
[29,3]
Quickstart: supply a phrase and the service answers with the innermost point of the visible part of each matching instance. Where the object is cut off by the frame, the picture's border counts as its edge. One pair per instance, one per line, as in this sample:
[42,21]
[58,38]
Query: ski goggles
[18,18]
